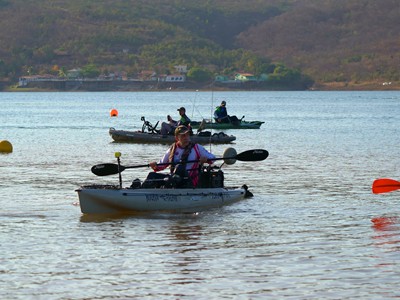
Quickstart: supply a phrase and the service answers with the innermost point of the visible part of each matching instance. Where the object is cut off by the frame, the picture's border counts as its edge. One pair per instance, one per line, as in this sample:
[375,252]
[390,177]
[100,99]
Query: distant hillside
[352,40]
[333,40]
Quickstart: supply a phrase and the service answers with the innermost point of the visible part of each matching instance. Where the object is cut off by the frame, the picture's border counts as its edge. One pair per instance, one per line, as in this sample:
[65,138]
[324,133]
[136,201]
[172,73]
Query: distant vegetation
[343,41]
[292,40]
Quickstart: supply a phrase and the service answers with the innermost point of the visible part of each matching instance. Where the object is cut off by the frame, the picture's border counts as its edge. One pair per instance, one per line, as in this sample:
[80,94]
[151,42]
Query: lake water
[313,229]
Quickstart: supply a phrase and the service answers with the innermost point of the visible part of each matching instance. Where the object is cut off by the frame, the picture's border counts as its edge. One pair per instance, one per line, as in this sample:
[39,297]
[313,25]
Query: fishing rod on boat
[229,157]
[385,185]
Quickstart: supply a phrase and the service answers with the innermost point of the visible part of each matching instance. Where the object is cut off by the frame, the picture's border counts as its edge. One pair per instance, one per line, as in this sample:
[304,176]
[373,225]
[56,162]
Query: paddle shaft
[237,157]
[110,169]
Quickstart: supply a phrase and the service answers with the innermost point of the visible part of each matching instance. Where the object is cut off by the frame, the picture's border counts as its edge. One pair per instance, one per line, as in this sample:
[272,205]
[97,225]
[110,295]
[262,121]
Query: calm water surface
[313,230]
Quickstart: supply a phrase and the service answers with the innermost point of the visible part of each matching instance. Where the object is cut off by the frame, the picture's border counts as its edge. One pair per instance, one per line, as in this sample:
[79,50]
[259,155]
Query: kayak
[125,136]
[106,199]
[207,124]
[168,192]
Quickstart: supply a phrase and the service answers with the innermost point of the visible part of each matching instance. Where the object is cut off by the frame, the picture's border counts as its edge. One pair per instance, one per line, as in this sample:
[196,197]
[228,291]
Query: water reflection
[186,232]
[385,223]
[186,252]
[387,229]
[99,218]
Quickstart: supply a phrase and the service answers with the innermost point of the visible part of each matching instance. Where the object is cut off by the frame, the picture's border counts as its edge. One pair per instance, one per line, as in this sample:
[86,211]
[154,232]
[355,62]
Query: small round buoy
[5,146]
[114,113]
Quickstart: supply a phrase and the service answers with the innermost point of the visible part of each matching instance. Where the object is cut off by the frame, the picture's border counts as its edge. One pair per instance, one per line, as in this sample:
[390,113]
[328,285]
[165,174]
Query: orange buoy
[114,113]
[6,146]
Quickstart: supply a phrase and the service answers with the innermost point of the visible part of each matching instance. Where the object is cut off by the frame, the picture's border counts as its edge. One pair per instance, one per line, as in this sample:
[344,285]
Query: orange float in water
[114,113]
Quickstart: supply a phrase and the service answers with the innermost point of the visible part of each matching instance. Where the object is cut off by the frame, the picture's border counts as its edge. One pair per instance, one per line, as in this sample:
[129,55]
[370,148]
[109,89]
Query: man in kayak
[178,154]
[168,128]
[221,115]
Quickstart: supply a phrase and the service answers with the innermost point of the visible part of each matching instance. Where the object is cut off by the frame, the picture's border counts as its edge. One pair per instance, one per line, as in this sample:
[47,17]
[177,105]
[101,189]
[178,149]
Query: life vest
[194,171]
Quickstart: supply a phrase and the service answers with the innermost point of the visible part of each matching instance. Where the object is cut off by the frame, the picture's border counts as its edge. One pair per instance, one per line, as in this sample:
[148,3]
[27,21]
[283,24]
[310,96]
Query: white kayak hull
[98,199]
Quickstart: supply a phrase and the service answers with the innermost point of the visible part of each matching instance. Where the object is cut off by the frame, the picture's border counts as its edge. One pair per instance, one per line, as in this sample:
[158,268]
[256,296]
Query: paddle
[249,155]
[385,185]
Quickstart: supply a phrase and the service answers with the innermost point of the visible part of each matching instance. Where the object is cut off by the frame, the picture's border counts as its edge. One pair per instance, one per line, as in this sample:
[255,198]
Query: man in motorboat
[221,115]
[178,154]
[168,128]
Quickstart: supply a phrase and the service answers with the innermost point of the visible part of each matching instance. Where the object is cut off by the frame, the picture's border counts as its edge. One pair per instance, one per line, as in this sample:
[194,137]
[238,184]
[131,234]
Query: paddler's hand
[153,165]
[203,160]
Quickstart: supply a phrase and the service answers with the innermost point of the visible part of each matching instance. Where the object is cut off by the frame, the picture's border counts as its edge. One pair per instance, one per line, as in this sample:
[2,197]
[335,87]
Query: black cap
[181,108]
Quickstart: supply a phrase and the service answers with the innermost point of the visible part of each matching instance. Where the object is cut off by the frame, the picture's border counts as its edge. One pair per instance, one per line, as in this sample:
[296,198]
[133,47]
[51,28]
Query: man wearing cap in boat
[168,128]
[179,153]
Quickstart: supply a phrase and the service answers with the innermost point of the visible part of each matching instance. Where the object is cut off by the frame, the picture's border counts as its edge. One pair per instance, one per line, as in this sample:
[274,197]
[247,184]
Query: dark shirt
[220,112]
[184,120]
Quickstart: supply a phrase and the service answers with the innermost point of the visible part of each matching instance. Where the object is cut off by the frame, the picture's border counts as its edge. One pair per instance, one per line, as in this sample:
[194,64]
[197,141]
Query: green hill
[333,40]
[339,41]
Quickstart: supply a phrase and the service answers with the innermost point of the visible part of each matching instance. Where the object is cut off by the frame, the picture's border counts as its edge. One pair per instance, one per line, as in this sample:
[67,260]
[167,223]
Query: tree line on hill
[293,41]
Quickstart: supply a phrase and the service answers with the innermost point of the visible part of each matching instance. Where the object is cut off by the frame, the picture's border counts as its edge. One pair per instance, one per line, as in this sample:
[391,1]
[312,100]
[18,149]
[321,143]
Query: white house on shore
[172,78]
[25,80]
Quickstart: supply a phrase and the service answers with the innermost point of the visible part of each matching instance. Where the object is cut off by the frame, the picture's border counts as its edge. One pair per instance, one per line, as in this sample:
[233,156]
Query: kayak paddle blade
[253,155]
[106,169]
[385,185]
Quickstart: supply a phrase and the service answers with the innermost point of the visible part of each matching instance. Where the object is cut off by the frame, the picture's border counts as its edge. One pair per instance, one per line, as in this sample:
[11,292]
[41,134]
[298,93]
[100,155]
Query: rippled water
[313,230]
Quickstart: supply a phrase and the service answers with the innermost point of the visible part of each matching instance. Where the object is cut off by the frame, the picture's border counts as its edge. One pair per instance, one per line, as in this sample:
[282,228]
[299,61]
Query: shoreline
[359,86]
[330,86]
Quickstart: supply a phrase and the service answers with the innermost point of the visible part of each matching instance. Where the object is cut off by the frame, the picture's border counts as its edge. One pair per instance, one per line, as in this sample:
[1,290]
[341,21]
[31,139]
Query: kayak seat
[155,180]
[166,181]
